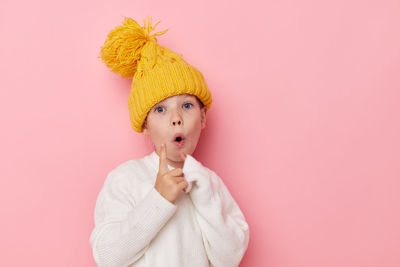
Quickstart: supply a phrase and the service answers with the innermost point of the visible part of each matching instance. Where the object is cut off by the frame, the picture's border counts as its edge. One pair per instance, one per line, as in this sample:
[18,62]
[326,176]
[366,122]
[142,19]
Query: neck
[175,164]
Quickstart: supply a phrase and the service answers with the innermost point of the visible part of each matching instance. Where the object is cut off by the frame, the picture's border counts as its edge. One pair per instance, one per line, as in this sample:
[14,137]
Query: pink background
[304,128]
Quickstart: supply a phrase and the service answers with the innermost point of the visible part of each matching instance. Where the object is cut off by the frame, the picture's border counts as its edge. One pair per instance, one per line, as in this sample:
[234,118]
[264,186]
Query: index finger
[163,166]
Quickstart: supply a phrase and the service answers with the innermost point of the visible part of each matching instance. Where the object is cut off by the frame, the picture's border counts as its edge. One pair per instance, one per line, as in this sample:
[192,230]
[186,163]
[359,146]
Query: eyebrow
[190,97]
[185,98]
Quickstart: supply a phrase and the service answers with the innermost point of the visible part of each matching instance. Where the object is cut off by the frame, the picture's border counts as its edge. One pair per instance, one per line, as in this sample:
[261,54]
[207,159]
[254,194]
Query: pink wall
[304,127]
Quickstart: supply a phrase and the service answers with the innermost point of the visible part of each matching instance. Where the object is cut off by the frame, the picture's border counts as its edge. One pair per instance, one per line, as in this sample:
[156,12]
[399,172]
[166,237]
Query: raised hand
[169,182]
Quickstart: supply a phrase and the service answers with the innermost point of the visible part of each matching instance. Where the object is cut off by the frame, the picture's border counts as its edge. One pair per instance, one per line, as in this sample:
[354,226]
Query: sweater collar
[155,160]
[191,164]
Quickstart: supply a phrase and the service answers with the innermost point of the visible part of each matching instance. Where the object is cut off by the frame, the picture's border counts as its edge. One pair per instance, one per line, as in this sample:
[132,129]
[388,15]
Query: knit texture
[156,71]
[137,226]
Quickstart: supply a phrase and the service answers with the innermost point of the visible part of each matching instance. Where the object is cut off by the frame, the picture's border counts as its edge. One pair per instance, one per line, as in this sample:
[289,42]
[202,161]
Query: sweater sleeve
[223,226]
[123,228]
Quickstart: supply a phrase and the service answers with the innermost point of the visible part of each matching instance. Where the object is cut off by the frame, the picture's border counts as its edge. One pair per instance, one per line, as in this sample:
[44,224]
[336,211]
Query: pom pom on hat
[156,71]
[123,46]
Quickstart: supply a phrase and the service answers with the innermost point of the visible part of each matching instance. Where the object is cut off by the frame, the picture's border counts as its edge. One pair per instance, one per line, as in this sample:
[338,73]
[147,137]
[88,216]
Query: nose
[176,120]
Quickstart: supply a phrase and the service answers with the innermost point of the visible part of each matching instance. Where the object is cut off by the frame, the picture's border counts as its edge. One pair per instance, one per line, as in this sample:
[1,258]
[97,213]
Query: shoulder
[139,168]
[131,174]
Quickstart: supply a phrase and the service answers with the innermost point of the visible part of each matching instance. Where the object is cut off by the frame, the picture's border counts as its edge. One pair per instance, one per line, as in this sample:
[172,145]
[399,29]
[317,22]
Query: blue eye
[157,109]
[190,104]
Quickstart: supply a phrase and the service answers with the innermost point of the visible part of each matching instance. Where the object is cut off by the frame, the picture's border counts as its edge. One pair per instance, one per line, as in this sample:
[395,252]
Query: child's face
[177,114]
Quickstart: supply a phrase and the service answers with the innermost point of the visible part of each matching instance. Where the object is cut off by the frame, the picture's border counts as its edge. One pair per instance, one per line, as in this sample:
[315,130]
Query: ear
[203,112]
[145,131]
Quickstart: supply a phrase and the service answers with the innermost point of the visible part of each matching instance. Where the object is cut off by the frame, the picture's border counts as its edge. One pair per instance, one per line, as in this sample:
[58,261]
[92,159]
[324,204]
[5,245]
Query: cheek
[195,125]
[198,120]
[158,133]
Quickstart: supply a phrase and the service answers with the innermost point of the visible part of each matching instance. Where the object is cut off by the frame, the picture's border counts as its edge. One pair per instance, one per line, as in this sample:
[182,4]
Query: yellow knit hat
[156,71]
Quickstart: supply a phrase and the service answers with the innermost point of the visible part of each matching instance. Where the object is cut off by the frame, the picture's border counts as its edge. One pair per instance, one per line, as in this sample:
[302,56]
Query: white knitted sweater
[136,226]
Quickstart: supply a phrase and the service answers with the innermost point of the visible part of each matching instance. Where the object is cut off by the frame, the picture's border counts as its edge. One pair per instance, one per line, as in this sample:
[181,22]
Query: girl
[165,209]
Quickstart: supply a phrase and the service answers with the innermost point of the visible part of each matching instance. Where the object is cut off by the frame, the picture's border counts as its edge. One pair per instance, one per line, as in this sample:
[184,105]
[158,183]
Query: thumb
[183,156]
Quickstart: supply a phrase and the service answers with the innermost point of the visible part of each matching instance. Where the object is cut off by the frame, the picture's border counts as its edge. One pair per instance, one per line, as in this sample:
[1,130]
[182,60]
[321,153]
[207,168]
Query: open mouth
[179,140]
